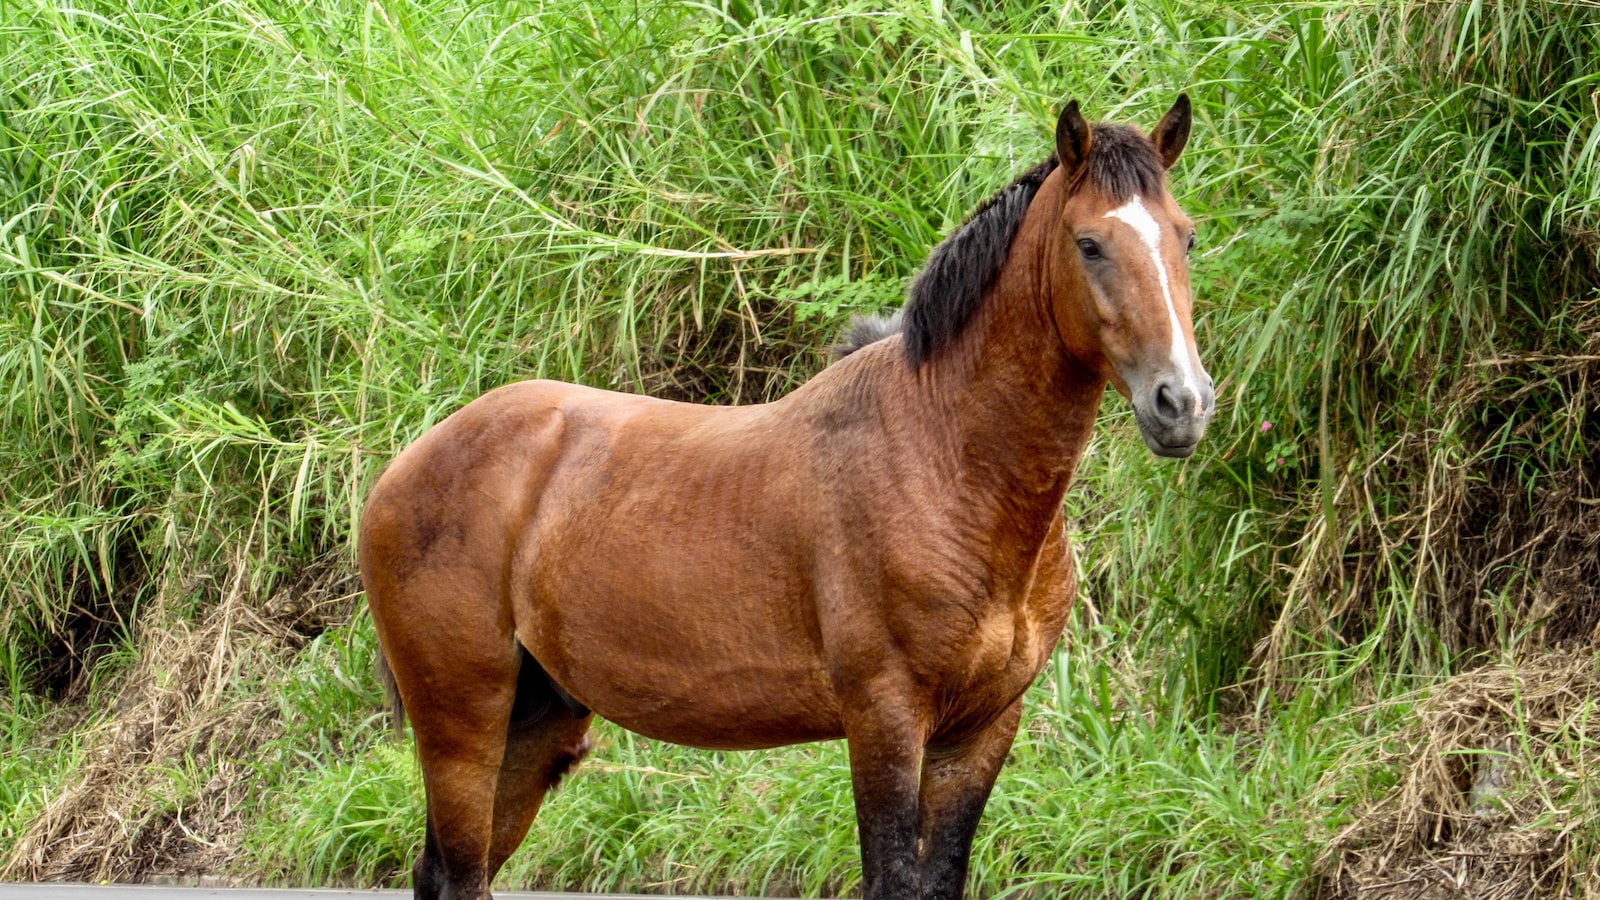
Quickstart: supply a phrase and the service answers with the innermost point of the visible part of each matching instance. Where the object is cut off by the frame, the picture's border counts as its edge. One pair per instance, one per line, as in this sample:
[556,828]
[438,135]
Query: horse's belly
[711,722]
[661,579]
[699,684]
[710,647]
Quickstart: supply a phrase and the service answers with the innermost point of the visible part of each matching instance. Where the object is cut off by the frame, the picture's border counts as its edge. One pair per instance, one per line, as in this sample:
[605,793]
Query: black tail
[391,693]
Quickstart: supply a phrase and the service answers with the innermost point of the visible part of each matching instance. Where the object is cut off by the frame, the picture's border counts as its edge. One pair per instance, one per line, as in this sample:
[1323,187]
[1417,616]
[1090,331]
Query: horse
[879,556]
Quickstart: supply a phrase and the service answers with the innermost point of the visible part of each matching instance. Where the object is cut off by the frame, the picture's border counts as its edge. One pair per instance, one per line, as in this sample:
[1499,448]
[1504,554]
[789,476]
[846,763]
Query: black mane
[952,284]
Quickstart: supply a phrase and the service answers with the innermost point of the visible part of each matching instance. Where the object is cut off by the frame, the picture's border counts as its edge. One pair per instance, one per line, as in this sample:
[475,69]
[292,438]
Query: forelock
[1123,163]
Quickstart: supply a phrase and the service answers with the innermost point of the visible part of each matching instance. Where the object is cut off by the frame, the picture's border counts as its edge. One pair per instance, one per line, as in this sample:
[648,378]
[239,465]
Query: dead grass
[1494,796]
[1478,534]
[1492,792]
[165,791]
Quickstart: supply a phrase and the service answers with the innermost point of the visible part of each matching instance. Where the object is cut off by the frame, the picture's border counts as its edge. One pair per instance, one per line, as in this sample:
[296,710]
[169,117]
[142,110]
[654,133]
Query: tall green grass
[250,249]
[1105,794]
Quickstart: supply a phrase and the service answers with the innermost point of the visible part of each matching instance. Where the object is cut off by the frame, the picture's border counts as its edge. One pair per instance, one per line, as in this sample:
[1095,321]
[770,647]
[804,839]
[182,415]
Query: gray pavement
[13,891]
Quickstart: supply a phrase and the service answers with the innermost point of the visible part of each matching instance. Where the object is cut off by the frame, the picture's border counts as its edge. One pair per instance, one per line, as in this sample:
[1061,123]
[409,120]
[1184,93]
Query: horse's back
[462,494]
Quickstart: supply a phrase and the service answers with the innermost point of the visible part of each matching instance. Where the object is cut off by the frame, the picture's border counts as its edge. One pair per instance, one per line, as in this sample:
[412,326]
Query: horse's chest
[990,657]
[1001,648]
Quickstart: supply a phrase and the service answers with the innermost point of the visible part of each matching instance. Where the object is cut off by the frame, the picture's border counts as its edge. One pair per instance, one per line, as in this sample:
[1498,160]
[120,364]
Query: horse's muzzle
[1173,415]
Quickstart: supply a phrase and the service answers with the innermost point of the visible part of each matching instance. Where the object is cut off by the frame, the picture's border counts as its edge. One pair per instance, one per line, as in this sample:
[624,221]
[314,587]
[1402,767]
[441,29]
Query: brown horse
[879,556]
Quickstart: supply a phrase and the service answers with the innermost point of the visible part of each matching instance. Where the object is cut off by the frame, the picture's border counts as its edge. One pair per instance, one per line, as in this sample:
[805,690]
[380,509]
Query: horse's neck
[1018,409]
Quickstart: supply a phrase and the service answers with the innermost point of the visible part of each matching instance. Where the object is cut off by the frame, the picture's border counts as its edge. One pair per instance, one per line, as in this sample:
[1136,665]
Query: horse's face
[1122,300]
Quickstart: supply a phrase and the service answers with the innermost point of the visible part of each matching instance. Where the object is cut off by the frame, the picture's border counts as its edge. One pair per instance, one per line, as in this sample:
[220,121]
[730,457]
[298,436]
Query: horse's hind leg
[458,678]
[493,737]
[547,737]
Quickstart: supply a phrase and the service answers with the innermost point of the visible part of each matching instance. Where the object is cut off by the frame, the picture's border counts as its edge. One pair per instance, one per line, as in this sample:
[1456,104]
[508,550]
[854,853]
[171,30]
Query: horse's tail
[866,330]
[391,693]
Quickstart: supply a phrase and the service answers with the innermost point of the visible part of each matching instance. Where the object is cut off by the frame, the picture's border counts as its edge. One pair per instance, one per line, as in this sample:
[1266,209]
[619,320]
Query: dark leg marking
[544,740]
[955,788]
[427,874]
[885,756]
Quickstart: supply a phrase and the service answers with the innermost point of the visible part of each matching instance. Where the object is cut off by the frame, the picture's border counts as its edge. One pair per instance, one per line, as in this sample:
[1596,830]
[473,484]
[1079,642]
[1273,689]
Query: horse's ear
[1173,131]
[1073,139]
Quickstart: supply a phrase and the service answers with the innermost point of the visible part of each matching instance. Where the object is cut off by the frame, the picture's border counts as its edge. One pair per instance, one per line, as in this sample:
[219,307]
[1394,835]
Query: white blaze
[1139,219]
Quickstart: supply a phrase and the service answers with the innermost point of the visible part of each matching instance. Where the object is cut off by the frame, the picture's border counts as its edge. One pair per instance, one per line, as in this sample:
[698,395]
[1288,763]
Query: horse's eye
[1189,249]
[1089,249]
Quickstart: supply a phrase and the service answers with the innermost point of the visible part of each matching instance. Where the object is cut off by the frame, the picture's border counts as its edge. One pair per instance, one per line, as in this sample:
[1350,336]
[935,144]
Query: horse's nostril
[1167,404]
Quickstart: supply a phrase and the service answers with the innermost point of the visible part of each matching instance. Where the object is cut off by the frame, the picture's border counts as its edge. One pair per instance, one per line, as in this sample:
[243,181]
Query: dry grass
[1494,797]
[1526,534]
[165,791]
[1479,533]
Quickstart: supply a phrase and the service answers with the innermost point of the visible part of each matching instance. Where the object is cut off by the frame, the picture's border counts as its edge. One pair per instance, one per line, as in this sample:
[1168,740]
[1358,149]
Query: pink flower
[1265,426]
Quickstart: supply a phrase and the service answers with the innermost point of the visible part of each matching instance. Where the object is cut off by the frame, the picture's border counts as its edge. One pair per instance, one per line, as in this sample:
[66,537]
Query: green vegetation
[249,249]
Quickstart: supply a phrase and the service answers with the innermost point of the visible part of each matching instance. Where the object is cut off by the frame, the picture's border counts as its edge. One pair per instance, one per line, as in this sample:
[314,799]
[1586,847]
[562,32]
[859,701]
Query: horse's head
[1120,289]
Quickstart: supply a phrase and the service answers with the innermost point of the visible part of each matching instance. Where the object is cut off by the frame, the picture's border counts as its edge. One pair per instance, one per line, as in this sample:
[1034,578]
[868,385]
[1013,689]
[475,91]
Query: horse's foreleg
[955,787]
[885,755]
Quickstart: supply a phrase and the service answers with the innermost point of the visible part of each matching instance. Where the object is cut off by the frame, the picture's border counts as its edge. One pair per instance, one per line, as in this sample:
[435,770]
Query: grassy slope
[249,250]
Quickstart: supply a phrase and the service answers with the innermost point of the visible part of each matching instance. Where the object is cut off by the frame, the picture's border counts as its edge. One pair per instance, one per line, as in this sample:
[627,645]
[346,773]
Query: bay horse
[880,555]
